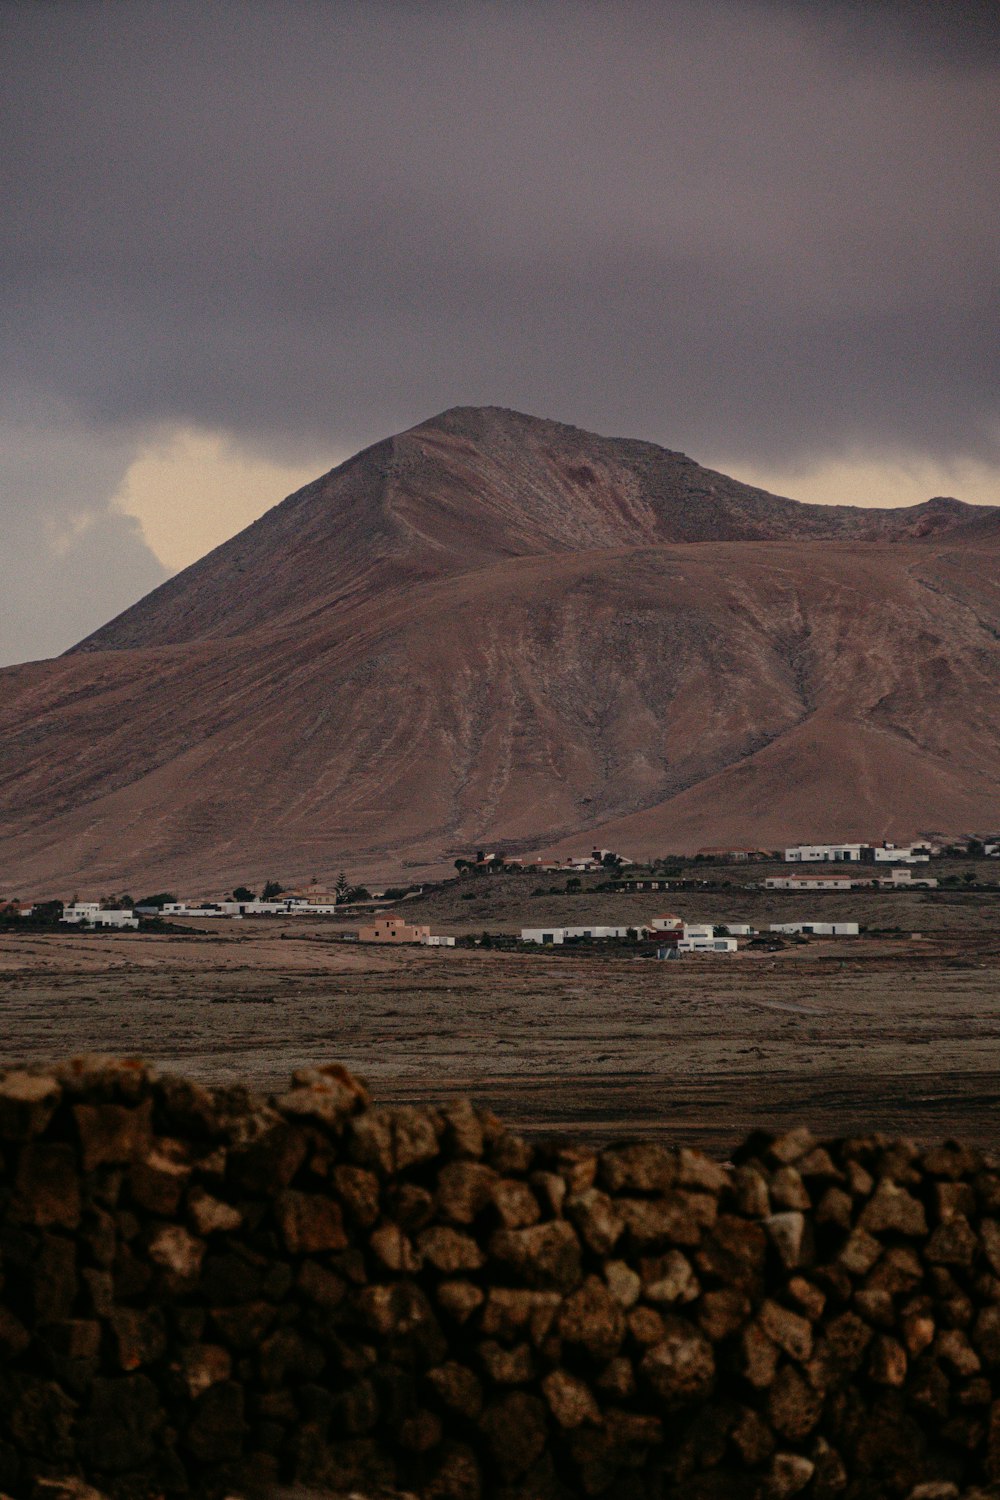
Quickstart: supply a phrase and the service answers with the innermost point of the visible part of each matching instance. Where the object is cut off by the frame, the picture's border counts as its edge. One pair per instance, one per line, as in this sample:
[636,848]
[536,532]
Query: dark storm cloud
[769,228]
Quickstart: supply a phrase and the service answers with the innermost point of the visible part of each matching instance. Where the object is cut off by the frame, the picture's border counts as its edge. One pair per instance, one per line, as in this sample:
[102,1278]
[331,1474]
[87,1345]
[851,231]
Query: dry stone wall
[203,1291]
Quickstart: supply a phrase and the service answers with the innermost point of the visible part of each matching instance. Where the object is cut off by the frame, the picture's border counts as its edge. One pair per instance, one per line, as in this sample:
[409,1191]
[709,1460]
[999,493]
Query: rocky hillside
[500,630]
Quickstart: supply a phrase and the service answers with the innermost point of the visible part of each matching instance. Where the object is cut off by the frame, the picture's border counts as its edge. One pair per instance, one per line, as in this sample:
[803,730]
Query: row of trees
[343,891]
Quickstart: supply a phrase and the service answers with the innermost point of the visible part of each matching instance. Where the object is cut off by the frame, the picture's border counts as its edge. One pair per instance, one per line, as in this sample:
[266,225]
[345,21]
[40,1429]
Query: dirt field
[885,1033]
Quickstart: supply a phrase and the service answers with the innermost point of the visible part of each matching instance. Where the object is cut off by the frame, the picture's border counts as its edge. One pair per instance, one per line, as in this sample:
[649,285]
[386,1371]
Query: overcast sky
[241,241]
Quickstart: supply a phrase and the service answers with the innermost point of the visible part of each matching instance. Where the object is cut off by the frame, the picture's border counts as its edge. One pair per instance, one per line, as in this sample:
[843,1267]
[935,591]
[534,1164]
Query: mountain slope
[414,657]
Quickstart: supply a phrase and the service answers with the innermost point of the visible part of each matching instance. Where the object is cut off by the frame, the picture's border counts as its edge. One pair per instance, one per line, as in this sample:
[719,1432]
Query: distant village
[841,867]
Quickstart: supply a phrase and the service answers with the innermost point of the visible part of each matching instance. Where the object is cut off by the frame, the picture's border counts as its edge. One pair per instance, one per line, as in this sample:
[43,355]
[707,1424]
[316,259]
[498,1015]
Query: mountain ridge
[414,506]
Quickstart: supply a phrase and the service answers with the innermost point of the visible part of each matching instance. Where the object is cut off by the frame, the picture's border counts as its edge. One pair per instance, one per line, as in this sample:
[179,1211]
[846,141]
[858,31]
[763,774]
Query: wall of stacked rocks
[203,1291]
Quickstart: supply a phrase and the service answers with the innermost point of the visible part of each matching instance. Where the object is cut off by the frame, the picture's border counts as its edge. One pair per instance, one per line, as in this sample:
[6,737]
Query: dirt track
[898,1036]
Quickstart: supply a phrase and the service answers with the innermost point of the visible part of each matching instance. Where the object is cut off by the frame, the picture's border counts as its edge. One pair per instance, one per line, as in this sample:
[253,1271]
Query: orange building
[392,930]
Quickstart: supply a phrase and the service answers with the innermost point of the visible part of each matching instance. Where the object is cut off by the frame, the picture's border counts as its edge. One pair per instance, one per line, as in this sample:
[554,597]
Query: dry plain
[893,1032]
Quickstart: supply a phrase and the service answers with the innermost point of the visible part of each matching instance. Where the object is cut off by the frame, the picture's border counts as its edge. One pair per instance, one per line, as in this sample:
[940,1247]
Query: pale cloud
[191,490]
[866,479]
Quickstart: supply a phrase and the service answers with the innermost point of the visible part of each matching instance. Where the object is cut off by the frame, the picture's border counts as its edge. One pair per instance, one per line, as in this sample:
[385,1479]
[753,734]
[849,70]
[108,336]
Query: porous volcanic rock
[221,1299]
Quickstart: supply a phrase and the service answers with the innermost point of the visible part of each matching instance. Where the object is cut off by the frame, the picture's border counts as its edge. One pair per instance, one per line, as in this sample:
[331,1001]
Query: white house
[92,914]
[704,944]
[823,853]
[813,880]
[433,941]
[697,932]
[667,923]
[545,935]
[554,935]
[905,880]
[596,932]
[80,911]
[912,854]
[818,929]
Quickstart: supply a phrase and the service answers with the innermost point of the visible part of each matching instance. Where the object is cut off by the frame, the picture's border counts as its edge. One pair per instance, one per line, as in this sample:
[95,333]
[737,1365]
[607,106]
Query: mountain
[494,628]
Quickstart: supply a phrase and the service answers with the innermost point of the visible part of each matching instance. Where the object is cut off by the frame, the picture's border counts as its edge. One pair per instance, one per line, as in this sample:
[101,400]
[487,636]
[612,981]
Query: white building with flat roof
[704,944]
[910,854]
[818,929]
[814,880]
[545,935]
[905,880]
[93,914]
[555,935]
[805,854]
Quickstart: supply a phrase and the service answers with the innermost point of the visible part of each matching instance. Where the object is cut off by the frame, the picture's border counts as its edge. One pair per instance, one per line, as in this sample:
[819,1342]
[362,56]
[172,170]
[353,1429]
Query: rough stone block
[515,1431]
[463,1130]
[511,1155]
[327,1095]
[596,1218]
[591,1319]
[210,1215]
[506,1366]
[156,1182]
[788,1234]
[464,1188]
[892,1208]
[265,1152]
[113,1134]
[416,1136]
[122,1425]
[359,1192]
[790,1332]
[394,1249]
[544,1255]
[172,1248]
[27,1103]
[310,1223]
[450,1250]
[887,1362]
[458,1300]
[669,1278]
[321,1286]
[140,1336]
[680,1369]
[515,1204]
[570,1400]
[624,1283]
[218,1428]
[793,1405]
[457,1387]
[640,1167]
[47,1186]
[722,1313]
[510,1311]
[54,1283]
[243,1327]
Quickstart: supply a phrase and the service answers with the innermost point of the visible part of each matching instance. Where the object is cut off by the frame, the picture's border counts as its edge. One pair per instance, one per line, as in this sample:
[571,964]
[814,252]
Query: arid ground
[890,1032]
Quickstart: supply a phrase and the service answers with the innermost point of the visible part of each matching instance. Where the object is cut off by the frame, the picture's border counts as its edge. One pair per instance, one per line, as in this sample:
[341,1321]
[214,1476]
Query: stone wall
[205,1291]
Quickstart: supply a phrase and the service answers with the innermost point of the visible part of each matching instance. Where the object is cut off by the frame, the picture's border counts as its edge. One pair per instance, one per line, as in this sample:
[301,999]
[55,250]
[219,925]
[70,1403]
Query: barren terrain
[887,1032]
[499,629]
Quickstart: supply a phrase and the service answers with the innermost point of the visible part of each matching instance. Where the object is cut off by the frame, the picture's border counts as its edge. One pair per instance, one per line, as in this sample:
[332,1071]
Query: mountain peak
[463,490]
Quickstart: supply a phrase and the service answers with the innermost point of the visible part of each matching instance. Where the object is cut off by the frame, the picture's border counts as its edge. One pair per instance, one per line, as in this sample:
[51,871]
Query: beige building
[393,930]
